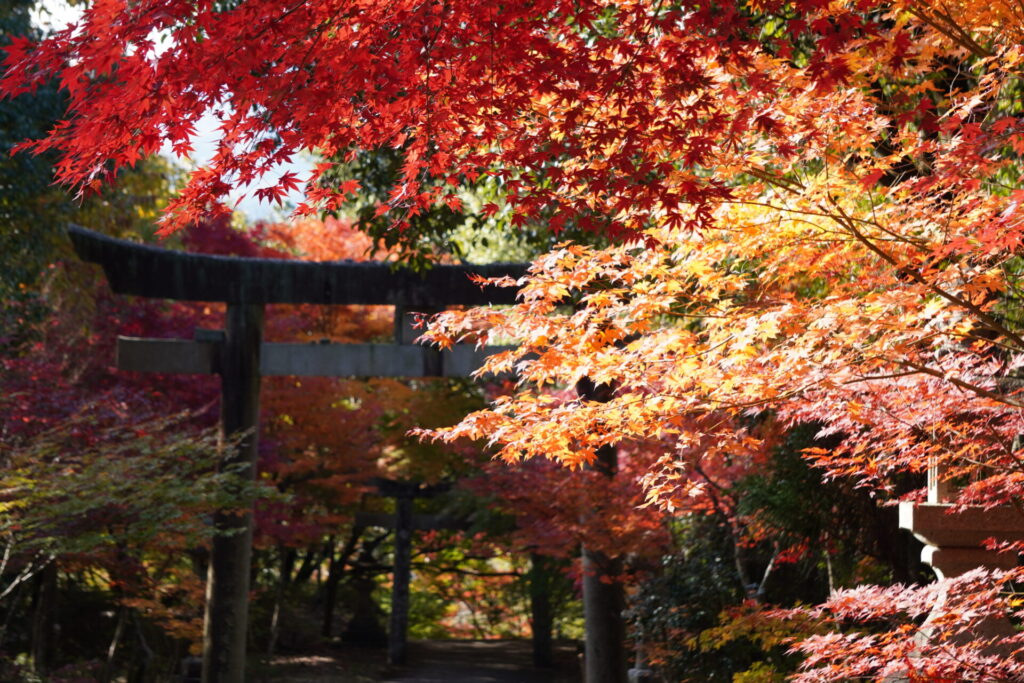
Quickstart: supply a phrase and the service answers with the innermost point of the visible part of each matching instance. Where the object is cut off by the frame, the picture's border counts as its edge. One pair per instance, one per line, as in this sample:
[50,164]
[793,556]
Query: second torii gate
[239,355]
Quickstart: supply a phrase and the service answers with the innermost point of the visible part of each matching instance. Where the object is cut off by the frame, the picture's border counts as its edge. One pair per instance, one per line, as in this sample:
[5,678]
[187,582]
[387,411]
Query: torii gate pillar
[227,581]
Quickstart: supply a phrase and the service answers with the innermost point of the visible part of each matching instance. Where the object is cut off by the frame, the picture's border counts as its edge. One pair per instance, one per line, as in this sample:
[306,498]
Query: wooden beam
[304,360]
[149,271]
[386,520]
[183,356]
[344,360]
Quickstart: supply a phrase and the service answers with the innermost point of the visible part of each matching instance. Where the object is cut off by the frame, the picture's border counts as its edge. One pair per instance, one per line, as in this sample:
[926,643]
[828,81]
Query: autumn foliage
[818,208]
[108,478]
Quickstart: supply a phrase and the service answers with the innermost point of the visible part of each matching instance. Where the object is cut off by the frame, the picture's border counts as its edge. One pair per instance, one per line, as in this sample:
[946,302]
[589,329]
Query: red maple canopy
[607,115]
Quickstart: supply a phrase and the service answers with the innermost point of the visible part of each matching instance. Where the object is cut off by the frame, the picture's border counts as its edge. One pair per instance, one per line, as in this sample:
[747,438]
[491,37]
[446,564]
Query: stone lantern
[954,542]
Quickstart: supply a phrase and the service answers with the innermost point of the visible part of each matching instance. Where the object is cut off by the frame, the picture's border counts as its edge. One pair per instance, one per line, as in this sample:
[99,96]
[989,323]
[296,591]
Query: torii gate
[239,355]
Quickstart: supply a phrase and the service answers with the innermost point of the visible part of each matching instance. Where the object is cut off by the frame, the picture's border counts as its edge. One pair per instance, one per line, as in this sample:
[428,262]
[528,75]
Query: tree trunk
[605,656]
[115,642]
[541,611]
[283,578]
[603,601]
[365,627]
[334,573]
[12,607]
[44,618]
[310,560]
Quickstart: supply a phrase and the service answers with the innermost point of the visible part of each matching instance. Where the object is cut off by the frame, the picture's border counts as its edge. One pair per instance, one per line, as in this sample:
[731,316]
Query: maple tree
[33,211]
[583,110]
[876,263]
[546,515]
[765,534]
[106,483]
[819,204]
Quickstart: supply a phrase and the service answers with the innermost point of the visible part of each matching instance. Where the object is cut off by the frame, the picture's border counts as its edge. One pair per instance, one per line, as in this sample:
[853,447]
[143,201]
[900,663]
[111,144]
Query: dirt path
[487,661]
[430,661]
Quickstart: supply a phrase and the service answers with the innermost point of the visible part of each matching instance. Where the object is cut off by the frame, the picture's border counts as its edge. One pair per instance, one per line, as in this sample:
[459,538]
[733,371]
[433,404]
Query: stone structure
[954,542]
[404,522]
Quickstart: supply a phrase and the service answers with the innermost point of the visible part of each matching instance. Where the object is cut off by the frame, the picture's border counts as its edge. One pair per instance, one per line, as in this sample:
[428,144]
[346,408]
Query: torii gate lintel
[153,272]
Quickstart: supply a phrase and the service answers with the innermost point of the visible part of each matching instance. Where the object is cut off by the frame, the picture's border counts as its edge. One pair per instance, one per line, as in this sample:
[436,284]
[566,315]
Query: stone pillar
[640,673]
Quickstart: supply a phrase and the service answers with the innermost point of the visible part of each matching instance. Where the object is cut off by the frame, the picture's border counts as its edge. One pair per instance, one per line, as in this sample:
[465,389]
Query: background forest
[774,280]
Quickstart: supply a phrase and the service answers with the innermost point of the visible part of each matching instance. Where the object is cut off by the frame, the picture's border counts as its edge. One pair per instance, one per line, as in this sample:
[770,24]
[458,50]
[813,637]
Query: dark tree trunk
[334,575]
[115,642]
[283,579]
[541,610]
[310,560]
[605,656]
[44,618]
[365,627]
[603,602]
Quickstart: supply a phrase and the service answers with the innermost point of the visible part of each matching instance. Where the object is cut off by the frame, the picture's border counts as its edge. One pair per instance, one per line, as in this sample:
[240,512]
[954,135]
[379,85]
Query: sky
[57,14]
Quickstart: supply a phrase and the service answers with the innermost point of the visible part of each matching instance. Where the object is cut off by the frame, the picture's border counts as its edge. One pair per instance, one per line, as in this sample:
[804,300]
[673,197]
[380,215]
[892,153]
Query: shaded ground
[432,661]
[479,661]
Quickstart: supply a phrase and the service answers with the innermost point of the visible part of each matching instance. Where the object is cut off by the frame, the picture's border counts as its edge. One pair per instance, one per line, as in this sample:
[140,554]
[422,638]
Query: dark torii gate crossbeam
[239,355]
